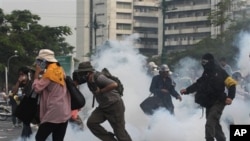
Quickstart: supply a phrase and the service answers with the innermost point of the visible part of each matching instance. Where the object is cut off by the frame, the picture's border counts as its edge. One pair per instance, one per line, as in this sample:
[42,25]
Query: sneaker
[14,126]
[19,125]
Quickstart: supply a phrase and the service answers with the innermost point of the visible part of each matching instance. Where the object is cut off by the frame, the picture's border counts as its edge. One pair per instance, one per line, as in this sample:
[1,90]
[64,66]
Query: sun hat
[47,55]
[85,66]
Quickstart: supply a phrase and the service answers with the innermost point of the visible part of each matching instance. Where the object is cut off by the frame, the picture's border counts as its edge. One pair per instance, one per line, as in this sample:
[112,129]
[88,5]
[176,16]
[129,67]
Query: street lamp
[7,70]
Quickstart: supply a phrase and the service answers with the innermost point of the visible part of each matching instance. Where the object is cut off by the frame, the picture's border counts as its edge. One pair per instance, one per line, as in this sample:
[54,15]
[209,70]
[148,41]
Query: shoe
[19,125]
[14,126]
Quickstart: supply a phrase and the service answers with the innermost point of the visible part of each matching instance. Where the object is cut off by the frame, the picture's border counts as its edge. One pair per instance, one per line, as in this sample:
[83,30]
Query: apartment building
[184,24]
[115,19]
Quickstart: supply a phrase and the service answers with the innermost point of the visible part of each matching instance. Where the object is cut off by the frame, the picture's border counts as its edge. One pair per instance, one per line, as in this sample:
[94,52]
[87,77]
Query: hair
[24,70]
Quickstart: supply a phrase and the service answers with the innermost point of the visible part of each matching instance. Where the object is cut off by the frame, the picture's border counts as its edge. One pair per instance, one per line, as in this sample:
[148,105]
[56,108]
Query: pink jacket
[54,101]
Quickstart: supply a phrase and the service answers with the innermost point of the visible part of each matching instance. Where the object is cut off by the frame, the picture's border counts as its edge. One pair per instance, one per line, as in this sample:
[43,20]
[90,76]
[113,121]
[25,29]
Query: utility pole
[95,27]
[90,27]
[163,51]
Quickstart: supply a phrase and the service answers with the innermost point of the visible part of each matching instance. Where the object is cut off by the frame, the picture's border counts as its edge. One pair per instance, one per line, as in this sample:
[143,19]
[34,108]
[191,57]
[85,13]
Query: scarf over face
[55,73]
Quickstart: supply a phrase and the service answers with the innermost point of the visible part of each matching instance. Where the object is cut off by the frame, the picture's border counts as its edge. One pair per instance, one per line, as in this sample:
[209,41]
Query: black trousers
[58,131]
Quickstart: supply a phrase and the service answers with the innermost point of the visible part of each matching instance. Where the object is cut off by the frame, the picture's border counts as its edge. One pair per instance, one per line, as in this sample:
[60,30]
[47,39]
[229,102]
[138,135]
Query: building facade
[163,26]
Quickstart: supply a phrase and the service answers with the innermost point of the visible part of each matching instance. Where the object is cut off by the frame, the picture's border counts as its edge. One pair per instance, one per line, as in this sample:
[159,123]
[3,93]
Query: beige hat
[47,54]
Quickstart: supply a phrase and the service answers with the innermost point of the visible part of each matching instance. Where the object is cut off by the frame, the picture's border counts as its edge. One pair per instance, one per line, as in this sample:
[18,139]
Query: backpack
[106,72]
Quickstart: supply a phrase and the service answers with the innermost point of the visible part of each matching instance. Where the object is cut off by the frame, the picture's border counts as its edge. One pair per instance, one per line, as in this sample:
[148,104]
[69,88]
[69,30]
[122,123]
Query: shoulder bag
[77,98]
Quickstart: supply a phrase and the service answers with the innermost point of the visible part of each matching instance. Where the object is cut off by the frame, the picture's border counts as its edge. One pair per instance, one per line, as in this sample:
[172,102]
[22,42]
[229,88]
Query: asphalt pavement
[7,132]
[10,133]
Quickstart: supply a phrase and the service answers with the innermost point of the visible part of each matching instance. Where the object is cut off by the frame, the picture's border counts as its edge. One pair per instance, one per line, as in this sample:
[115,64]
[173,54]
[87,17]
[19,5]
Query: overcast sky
[52,12]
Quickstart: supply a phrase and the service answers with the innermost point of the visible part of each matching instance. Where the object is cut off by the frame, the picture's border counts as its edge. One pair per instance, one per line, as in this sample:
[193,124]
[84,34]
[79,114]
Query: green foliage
[21,31]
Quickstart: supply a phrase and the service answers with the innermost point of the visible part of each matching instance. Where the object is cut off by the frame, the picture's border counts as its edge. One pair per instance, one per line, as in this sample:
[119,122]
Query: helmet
[152,64]
[164,67]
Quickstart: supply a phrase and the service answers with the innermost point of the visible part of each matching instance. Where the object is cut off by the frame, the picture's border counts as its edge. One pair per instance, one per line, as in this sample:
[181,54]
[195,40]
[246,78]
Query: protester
[3,96]
[55,109]
[152,69]
[23,87]
[110,108]
[163,87]
[14,101]
[225,66]
[211,85]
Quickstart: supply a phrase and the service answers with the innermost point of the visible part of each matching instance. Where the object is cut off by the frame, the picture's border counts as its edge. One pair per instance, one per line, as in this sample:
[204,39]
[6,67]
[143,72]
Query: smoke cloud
[125,61]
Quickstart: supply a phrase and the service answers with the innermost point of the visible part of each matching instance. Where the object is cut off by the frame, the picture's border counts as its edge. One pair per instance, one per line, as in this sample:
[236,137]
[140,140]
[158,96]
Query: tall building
[185,24]
[164,26]
[102,20]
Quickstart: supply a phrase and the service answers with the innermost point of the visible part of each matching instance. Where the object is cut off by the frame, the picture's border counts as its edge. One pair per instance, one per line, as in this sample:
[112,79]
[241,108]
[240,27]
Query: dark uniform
[163,87]
[212,85]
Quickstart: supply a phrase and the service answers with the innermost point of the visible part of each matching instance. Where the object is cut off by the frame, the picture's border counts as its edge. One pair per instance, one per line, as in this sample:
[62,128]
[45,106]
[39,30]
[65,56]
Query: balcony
[146,14]
[149,25]
[193,7]
[188,30]
[186,19]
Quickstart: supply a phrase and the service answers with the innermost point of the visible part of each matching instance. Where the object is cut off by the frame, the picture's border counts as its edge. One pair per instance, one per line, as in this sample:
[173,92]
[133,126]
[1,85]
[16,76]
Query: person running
[111,107]
[55,106]
[210,93]
[163,87]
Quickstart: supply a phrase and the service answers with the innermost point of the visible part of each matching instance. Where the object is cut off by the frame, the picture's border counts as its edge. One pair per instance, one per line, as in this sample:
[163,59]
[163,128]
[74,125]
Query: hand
[98,91]
[179,98]
[38,68]
[228,101]
[22,78]
[183,91]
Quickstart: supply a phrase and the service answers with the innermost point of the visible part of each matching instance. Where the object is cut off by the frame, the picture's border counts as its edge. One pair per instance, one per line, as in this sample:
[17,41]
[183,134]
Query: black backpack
[106,72]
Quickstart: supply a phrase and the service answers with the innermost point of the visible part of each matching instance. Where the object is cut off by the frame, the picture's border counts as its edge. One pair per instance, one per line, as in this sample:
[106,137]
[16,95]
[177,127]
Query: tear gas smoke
[124,61]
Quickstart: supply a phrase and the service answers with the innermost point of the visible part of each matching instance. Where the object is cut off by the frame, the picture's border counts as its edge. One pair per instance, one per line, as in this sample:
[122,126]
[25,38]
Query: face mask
[208,65]
[80,77]
[41,63]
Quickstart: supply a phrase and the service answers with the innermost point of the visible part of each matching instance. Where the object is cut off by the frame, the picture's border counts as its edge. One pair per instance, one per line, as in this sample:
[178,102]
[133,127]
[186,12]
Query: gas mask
[208,65]
[80,77]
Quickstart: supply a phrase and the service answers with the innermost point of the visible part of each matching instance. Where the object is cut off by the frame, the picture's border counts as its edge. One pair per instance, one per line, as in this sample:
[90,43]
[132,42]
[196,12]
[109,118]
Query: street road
[7,132]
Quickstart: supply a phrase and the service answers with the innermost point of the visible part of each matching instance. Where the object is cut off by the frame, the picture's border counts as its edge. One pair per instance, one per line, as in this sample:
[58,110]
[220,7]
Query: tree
[21,31]
[218,16]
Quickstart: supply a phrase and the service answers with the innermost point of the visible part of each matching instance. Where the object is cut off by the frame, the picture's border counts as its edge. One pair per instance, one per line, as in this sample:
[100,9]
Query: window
[123,26]
[123,16]
[124,5]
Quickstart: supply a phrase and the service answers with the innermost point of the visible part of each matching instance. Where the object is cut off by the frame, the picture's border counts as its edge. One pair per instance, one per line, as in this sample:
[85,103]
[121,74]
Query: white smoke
[124,61]
[243,43]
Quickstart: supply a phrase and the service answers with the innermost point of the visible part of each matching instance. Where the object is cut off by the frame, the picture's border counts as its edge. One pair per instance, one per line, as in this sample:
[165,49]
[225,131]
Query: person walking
[110,108]
[55,109]
[163,87]
[210,93]
[226,66]
[14,101]
[23,87]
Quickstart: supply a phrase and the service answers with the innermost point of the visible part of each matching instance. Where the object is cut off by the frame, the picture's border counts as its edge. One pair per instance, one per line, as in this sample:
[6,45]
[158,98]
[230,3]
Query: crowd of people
[46,78]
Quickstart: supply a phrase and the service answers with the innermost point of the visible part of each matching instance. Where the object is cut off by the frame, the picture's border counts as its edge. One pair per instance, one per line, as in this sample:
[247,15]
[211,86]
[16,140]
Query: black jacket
[214,83]
[158,83]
